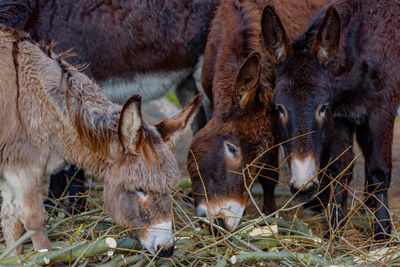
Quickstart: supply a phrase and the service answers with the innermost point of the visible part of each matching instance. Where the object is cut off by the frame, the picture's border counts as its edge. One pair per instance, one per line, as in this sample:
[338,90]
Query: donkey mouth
[226,213]
[304,195]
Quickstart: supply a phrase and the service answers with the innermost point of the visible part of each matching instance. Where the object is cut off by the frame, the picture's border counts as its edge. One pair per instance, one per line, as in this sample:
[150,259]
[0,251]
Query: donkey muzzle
[304,176]
[226,212]
[159,239]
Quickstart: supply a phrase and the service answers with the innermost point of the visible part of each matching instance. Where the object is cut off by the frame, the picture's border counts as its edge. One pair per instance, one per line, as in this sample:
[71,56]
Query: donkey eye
[281,111]
[322,110]
[232,149]
[141,193]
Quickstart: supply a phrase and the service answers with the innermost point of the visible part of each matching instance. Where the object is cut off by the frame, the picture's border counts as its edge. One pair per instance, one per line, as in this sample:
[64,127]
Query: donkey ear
[170,128]
[247,80]
[130,124]
[327,41]
[274,35]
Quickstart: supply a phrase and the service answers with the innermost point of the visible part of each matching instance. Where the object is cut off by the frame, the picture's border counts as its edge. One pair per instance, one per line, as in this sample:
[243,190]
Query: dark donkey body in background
[238,78]
[339,78]
[146,47]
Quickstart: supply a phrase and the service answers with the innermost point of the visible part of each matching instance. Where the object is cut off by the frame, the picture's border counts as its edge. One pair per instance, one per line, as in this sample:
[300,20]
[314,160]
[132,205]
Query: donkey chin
[226,212]
[304,182]
[159,237]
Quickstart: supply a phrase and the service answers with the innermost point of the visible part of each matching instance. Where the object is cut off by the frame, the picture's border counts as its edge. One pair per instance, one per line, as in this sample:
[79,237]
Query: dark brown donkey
[239,80]
[339,78]
[146,47]
[50,112]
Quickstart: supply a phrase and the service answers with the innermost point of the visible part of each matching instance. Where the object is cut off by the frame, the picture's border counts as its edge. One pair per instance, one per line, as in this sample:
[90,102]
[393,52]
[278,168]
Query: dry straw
[282,238]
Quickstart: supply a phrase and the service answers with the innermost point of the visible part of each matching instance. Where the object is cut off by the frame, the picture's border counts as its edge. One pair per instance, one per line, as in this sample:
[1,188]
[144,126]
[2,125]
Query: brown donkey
[238,78]
[339,78]
[50,113]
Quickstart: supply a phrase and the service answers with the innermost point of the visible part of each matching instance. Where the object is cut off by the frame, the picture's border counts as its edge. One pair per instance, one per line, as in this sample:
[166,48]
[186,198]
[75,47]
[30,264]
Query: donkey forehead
[251,129]
[301,69]
[158,177]
[303,85]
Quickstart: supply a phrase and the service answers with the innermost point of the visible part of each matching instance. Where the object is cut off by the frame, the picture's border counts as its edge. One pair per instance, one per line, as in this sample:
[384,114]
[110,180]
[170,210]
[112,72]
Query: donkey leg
[25,185]
[364,140]
[58,182]
[375,138]
[76,190]
[12,226]
[319,203]
[268,181]
[342,141]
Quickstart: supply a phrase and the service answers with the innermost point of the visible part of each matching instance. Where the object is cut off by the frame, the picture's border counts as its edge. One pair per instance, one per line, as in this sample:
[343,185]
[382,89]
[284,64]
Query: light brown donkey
[51,113]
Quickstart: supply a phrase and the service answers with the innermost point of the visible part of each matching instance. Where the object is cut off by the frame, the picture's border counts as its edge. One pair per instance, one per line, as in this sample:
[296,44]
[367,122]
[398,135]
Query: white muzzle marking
[158,235]
[230,210]
[304,172]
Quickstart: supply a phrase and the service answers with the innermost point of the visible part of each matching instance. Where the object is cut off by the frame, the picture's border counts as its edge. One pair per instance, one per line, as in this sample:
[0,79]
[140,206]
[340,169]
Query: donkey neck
[71,116]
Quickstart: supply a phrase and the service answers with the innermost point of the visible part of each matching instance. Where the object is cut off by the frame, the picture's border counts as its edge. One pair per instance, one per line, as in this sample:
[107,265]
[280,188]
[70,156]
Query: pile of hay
[284,238]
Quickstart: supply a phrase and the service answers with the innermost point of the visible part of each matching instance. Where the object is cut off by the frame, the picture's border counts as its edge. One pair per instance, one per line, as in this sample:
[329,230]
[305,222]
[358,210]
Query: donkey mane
[241,37]
[249,38]
[96,130]
[85,107]
[244,38]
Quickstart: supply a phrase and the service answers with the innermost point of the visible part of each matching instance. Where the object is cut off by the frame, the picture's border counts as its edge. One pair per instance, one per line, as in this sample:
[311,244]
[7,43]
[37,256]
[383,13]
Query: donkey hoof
[382,231]
[381,237]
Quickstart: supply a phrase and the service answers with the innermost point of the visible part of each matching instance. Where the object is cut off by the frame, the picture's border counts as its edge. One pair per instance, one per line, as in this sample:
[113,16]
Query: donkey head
[231,140]
[303,95]
[143,174]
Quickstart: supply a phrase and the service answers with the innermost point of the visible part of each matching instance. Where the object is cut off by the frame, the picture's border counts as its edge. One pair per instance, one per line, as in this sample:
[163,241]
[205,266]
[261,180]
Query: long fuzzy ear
[327,40]
[247,80]
[130,126]
[274,35]
[170,128]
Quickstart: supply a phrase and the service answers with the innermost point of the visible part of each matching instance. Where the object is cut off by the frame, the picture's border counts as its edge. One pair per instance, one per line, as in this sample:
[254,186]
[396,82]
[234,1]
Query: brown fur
[51,113]
[344,69]
[242,119]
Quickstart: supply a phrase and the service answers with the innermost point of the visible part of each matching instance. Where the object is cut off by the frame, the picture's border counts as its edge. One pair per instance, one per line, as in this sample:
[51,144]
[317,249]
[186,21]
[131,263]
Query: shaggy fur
[51,113]
[146,47]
